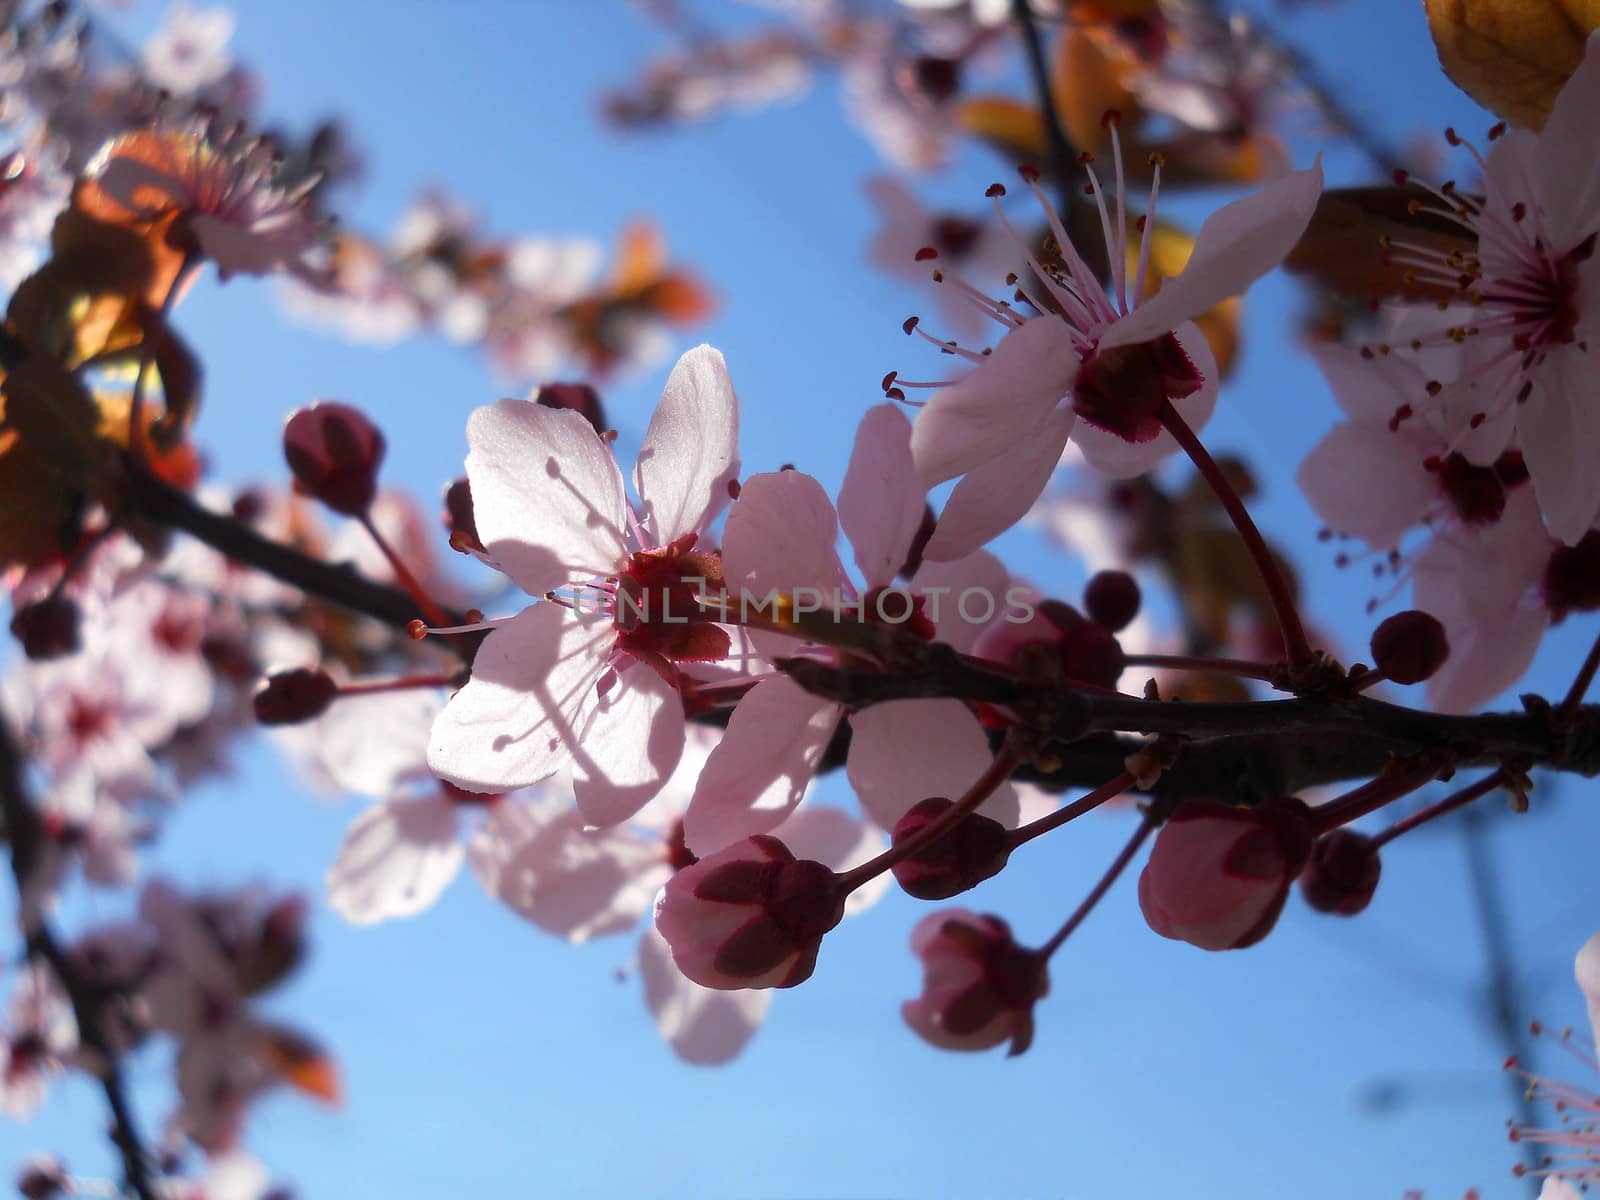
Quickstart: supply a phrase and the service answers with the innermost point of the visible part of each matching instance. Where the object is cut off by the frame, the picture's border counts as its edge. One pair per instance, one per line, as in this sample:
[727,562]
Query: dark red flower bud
[1111,598]
[334,453]
[1089,651]
[298,694]
[44,1177]
[749,916]
[974,850]
[459,517]
[1410,646]
[579,397]
[1572,577]
[47,628]
[1342,874]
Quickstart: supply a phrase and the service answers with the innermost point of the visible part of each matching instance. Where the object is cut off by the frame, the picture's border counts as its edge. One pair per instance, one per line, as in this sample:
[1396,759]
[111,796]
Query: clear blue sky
[482,1057]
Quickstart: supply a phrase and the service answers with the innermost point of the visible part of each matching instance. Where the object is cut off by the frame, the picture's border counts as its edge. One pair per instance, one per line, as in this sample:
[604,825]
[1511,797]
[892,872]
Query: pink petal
[1586,969]
[881,502]
[1122,459]
[396,860]
[1369,483]
[905,751]
[534,855]
[999,405]
[943,585]
[1566,170]
[629,748]
[1558,427]
[780,536]
[703,1026]
[1237,245]
[546,494]
[691,450]
[763,765]
[1485,660]
[518,717]
[1369,389]
[356,761]
[997,494]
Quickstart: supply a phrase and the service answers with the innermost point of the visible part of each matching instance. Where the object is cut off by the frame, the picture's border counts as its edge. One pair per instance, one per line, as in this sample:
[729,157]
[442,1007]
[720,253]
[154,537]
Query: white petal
[1237,245]
[629,748]
[534,855]
[702,1025]
[999,405]
[1559,427]
[1368,389]
[1566,169]
[396,860]
[1586,969]
[546,494]
[518,717]
[995,495]
[763,765]
[881,503]
[1369,483]
[356,760]
[905,751]
[691,450]
[780,536]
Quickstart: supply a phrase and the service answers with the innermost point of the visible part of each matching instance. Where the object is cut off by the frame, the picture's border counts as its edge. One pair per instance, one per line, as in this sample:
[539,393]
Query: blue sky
[482,1057]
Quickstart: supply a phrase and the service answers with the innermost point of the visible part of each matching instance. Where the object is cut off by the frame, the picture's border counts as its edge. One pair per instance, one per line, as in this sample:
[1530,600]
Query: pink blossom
[1535,295]
[190,52]
[979,986]
[1113,359]
[592,680]
[1218,876]
[40,1033]
[751,915]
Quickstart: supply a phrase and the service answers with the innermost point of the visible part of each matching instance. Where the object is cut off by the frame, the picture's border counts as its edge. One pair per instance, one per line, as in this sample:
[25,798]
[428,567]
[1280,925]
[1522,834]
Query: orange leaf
[641,258]
[1512,56]
[1090,76]
[1014,129]
[302,1064]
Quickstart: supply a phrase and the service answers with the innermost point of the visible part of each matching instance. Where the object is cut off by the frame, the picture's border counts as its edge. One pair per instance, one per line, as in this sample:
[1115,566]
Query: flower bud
[47,628]
[334,453]
[1090,653]
[460,519]
[749,916]
[1572,577]
[964,857]
[1218,876]
[979,986]
[289,697]
[579,397]
[1342,874]
[44,1177]
[1111,598]
[1410,646]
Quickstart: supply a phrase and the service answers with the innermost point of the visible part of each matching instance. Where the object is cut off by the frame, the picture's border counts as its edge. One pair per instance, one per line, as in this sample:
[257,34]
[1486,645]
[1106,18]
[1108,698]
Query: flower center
[657,604]
[1123,390]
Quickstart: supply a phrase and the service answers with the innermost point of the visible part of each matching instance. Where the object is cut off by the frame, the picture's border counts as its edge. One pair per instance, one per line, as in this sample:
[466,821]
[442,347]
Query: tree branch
[25,835]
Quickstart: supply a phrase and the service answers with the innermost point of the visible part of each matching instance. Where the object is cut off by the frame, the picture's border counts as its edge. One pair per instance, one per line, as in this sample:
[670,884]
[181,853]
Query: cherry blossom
[592,680]
[190,52]
[1115,358]
[1535,292]
[40,1035]
[779,543]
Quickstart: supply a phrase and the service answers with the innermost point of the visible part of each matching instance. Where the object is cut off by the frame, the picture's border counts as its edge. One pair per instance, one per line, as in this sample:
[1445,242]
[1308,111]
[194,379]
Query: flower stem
[1580,685]
[1448,805]
[1071,812]
[1097,893]
[403,576]
[997,772]
[1371,796]
[1295,645]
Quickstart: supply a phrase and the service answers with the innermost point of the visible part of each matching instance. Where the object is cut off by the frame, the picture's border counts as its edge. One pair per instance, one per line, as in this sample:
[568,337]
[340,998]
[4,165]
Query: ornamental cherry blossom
[979,986]
[592,679]
[1114,358]
[1534,288]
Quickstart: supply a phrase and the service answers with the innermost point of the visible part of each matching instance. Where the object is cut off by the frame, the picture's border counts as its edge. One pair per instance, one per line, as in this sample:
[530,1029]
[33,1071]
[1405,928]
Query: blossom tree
[613,695]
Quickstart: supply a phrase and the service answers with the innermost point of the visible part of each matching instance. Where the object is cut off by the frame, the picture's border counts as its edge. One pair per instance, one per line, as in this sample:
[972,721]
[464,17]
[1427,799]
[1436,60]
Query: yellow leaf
[1512,56]
[1170,248]
[1016,130]
[51,463]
